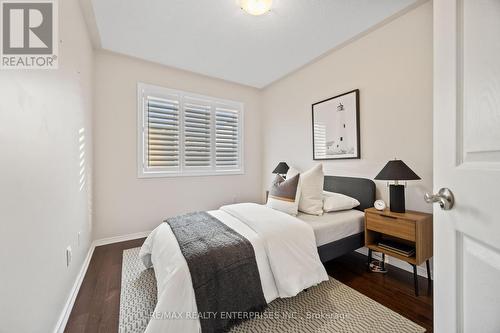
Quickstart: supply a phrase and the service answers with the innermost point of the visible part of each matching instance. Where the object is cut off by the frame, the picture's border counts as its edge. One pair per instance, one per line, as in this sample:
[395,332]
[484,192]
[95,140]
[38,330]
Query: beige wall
[125,204]
[42,207]
[392,68]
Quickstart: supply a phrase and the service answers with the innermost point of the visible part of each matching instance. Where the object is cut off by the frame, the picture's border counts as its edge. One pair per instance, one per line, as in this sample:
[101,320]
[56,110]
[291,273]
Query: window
[184,134]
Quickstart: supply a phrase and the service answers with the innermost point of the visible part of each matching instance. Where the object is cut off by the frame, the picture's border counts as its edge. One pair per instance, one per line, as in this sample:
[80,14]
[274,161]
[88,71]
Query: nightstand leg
[429,280]
[383,262]
[415,279]
[369,257]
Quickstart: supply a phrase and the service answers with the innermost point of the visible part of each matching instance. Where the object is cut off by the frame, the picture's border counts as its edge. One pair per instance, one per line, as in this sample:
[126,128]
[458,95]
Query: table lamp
[397,170]
[281,169]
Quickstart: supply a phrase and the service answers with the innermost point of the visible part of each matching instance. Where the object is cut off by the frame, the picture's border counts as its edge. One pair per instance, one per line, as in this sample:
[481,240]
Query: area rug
[329,307]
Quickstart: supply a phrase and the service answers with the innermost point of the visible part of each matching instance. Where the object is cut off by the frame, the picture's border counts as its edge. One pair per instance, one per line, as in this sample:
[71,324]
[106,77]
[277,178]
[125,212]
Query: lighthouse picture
[336,127]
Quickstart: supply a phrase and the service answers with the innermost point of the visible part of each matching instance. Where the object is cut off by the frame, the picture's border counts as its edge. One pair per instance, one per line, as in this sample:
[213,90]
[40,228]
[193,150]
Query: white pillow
[311,189]
[333,202]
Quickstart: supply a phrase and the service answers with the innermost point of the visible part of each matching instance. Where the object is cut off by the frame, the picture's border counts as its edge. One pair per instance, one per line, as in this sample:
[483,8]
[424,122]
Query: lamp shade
[396,170]
[281,168]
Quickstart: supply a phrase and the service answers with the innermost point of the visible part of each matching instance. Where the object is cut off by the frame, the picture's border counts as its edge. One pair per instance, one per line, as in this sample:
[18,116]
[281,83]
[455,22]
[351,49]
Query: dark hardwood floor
[97,305]
[96,308]
[393,289]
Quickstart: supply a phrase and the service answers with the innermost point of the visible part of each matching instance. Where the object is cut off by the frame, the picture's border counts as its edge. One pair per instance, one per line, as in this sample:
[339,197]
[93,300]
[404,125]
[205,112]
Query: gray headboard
[361,189]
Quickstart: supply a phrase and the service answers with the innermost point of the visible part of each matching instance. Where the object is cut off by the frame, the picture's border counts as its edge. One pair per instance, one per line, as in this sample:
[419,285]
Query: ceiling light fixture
[256,7]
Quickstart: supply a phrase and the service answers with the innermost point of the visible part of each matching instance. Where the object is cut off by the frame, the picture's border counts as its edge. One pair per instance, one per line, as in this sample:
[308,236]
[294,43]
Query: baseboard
[123,238]
[421,270]
[63,318]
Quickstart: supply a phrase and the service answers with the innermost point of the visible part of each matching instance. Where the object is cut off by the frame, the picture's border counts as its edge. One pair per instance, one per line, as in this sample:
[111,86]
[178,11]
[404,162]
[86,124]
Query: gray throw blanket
[223,271]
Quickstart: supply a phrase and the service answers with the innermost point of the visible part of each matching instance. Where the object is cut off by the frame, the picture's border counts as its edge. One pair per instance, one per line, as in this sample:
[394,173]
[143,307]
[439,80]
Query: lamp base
[397,198]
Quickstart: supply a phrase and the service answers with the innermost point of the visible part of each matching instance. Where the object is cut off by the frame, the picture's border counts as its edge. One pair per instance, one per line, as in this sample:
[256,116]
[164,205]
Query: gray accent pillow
[284,194]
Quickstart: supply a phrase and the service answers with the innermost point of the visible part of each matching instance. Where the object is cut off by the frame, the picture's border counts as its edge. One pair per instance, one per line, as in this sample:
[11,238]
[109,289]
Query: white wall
[125,204]
[42,207]
[392,67]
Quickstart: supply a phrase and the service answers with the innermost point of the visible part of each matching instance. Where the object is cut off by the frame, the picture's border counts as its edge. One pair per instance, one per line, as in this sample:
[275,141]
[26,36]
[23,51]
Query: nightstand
[411,229]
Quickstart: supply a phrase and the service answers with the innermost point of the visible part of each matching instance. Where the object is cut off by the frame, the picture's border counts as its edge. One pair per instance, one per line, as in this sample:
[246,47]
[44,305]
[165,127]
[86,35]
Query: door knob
[444,197]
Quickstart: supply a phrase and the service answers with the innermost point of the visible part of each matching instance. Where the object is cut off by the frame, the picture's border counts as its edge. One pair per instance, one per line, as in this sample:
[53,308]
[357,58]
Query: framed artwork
[335,124]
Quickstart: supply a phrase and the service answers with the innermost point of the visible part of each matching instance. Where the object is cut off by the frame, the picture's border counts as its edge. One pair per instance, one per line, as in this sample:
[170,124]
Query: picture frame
[336,127]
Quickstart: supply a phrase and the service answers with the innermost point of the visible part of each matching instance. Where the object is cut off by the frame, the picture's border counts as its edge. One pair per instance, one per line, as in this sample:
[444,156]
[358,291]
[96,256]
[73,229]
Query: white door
[467,161]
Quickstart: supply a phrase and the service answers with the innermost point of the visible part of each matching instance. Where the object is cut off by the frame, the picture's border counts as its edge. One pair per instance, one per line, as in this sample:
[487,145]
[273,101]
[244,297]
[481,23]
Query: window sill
[162,174]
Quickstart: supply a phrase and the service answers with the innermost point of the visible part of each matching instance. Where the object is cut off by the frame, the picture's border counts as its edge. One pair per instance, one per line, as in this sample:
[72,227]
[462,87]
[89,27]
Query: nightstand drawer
[391,226]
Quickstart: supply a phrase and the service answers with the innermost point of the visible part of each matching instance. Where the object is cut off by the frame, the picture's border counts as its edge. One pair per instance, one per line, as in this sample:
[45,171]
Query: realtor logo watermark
[29,34]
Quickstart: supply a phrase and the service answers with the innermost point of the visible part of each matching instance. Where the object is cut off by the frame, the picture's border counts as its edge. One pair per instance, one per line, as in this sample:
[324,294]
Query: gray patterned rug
[329,307]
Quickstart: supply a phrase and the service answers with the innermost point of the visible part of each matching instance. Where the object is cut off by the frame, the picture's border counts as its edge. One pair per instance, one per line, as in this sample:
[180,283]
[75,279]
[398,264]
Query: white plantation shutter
[227,150]
[162,133]
[183,134]
[197,134]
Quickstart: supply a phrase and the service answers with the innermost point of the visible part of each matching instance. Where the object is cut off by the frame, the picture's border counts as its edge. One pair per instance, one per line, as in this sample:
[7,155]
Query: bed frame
[364,191]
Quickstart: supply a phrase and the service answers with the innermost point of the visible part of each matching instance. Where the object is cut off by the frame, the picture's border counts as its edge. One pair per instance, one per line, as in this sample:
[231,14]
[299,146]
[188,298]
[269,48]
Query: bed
[285,253]
[285,249]
[364,190]
[334,226]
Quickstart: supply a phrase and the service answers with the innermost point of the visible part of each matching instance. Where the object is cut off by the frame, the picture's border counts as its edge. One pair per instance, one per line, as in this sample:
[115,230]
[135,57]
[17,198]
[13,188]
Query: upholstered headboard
[361,189]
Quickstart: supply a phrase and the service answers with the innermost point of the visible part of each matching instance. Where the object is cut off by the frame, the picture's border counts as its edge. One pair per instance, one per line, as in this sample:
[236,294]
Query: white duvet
[285,251]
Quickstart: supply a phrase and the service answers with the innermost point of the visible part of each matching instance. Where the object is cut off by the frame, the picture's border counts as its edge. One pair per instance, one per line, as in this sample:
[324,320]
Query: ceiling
[218,39]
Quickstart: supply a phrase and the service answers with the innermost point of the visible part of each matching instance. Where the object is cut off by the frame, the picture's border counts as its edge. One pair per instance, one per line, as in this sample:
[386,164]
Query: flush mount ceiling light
[256,7]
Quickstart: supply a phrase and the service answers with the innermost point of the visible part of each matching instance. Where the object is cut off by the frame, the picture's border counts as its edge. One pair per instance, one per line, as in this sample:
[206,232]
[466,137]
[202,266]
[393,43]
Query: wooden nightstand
[410,228]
